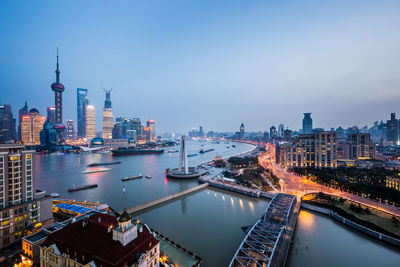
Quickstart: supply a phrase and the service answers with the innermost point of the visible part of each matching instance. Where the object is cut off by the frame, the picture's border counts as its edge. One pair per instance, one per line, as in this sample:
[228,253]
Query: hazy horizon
[210,63]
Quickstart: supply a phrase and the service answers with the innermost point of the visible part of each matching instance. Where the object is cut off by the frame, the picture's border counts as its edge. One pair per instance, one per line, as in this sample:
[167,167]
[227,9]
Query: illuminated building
[147,133]
[7,124]
[22,112]
[108,119]
[31,126]
[137,125]
[307,123]
[357,146]
[21,206]
[82,102]
[310,150]
[90,122]
[101,240]
[70,129]
[393,182]
[51,114]
[150,124]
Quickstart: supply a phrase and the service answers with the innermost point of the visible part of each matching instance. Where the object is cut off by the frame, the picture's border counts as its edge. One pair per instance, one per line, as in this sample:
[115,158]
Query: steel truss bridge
[261,244]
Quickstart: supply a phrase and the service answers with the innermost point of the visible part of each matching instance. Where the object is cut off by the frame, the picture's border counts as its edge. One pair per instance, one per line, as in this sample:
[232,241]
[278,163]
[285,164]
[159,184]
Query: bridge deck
[260,246]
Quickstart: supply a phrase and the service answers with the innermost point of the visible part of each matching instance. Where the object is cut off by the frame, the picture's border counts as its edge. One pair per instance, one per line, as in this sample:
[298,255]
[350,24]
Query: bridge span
[268,241]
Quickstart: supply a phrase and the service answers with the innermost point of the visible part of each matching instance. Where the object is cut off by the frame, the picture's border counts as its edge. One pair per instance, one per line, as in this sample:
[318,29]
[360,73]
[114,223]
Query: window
[28,156]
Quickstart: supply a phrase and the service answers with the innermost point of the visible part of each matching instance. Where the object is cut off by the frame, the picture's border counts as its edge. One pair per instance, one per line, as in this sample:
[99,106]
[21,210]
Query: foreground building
[101,240]
[20,205]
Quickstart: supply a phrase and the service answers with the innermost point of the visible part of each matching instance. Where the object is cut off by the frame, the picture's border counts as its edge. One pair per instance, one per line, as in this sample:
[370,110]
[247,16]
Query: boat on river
[192,155]
[205,151]
[132,178]
[135,151]
[83,187]
[93,170]
[148,176]
[103,163]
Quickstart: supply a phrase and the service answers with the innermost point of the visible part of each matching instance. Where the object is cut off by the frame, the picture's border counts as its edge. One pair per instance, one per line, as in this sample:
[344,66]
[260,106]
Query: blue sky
[211,63]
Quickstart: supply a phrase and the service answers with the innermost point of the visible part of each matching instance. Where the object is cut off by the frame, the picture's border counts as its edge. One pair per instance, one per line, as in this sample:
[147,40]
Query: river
[207,222]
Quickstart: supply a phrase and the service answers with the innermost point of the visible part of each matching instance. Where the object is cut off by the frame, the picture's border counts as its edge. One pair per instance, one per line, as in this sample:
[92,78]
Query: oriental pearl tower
[58,88]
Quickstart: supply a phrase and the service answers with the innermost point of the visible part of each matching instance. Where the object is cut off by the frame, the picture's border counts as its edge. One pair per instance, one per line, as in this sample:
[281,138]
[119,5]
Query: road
[298,185]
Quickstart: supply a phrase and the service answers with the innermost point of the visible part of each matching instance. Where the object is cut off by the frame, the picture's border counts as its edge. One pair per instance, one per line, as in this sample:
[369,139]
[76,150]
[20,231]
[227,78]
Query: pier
[165,199]
[268,241]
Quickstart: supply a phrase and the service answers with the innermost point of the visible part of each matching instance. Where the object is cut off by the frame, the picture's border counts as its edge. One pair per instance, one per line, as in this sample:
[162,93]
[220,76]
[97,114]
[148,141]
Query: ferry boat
[135,151]
[207,150]
[103,163]
[93,170]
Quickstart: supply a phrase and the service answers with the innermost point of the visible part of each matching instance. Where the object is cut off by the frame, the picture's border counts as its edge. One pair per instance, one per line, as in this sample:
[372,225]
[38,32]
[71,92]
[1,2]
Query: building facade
[82,102]
[310,150]
[31,126]
[357,146]
[22,112]
[7,124]
[393,129]
[20,205]
[90,122]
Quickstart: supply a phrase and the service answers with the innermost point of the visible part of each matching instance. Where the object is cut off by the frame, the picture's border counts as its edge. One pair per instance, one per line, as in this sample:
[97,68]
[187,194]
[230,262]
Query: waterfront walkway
[165,199]
[268,241]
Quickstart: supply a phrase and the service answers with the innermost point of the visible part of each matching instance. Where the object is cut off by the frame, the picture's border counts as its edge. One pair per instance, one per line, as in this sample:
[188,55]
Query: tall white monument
[183,161]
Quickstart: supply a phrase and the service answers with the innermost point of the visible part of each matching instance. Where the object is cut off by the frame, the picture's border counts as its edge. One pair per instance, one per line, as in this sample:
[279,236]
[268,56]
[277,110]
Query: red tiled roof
[93,242]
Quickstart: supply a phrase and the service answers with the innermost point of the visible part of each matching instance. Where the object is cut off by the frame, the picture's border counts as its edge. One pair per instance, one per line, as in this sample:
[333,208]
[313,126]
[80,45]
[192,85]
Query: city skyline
[261,57]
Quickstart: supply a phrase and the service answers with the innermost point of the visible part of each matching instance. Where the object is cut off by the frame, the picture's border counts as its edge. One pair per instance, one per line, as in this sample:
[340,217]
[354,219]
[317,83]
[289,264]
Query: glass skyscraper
[82,102]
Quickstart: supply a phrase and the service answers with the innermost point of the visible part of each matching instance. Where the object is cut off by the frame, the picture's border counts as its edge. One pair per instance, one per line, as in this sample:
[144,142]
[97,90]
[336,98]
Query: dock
[165,199]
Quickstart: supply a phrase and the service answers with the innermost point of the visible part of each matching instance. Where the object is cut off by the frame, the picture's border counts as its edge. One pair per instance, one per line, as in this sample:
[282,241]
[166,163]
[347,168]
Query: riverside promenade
[165,199]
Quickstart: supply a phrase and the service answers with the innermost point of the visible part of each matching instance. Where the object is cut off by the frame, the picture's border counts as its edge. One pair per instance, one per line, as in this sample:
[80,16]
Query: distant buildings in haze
[7,124]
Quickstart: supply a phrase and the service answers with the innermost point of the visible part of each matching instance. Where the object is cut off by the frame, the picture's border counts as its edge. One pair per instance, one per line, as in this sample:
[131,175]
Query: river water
[207,222]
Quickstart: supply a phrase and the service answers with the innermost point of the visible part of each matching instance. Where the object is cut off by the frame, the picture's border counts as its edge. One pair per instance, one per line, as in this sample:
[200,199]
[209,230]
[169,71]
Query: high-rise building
[357,146]
[201,132]
[147,133]
[7,124]
[58,89]
[117,130]
[393,129]
[22,112]
[21,206]
[150,124]
[90,122]
[272,132]
[70,129]
[241,131]
[307,123]
[108,119]
[137,125]
[82,102]
[31,126]
[280,130]
[51,114]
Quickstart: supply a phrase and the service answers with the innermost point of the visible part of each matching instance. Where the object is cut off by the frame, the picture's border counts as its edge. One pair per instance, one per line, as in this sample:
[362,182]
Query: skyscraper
[307,123]
[31,126]
[58,89]
[272,132]
[108,119]
[7,124]
[82,102]
[147,133]
[280,130]
[22,112]
[70,129]
[393,129]
[90,122]
[150,124]
[137,125]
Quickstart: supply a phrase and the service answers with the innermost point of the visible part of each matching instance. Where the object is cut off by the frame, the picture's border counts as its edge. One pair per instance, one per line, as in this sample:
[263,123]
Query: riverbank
[369,224]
